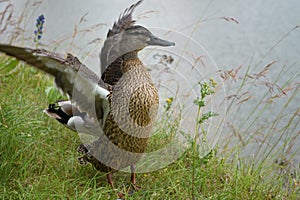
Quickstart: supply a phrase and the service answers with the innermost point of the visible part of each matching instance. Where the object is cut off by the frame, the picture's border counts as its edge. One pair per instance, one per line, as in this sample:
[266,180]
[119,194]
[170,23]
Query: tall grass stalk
[38,157]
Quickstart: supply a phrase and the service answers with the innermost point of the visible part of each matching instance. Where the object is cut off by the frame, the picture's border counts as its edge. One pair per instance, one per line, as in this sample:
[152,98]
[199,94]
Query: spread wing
[124,21]
[83,86]
[108,54]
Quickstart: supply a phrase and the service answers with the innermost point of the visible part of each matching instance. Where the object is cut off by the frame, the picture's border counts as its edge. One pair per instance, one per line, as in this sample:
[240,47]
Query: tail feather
[55,111]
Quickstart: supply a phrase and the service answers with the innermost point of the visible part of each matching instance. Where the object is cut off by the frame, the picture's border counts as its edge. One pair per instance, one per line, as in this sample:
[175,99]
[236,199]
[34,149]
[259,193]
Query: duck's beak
[159,42]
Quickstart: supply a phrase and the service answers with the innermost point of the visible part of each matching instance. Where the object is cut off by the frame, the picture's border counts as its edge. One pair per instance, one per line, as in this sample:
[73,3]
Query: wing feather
[124,21]
[72,77]
[110,52]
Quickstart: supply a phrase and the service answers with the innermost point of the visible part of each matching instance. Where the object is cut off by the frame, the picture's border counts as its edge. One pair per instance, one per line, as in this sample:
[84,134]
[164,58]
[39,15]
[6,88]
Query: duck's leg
[133,180]
[109,180]
[111,183]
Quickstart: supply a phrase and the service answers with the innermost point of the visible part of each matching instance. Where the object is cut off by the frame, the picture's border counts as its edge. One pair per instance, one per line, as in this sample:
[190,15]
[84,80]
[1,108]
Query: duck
[118,109]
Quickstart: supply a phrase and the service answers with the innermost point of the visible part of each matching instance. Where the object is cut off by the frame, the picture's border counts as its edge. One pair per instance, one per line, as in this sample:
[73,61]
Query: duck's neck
[130,56]
[130,60]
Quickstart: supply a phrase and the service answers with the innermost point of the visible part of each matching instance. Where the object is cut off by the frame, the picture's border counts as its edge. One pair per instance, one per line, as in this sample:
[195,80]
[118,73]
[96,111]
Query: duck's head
[125,37]
[139,37]
[132,39]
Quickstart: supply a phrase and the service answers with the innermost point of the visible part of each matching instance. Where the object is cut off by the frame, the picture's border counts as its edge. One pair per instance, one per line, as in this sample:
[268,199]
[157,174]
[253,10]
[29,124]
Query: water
[230,45]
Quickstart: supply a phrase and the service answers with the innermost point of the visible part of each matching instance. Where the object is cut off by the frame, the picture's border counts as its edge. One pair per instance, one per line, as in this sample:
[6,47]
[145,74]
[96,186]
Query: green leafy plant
[207,88]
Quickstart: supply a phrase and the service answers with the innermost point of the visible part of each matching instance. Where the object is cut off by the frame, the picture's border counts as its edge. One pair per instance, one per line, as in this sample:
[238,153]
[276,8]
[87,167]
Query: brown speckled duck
[118,109]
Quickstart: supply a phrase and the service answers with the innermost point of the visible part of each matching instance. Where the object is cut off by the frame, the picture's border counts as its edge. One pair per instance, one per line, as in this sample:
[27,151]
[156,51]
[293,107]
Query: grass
[38,158]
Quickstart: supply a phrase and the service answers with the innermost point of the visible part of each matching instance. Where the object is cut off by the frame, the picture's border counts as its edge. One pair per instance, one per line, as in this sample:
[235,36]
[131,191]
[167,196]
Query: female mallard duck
[119,108]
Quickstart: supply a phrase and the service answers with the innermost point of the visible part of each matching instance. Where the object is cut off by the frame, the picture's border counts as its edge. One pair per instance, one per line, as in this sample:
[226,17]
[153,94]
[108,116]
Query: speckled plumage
[142,108]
